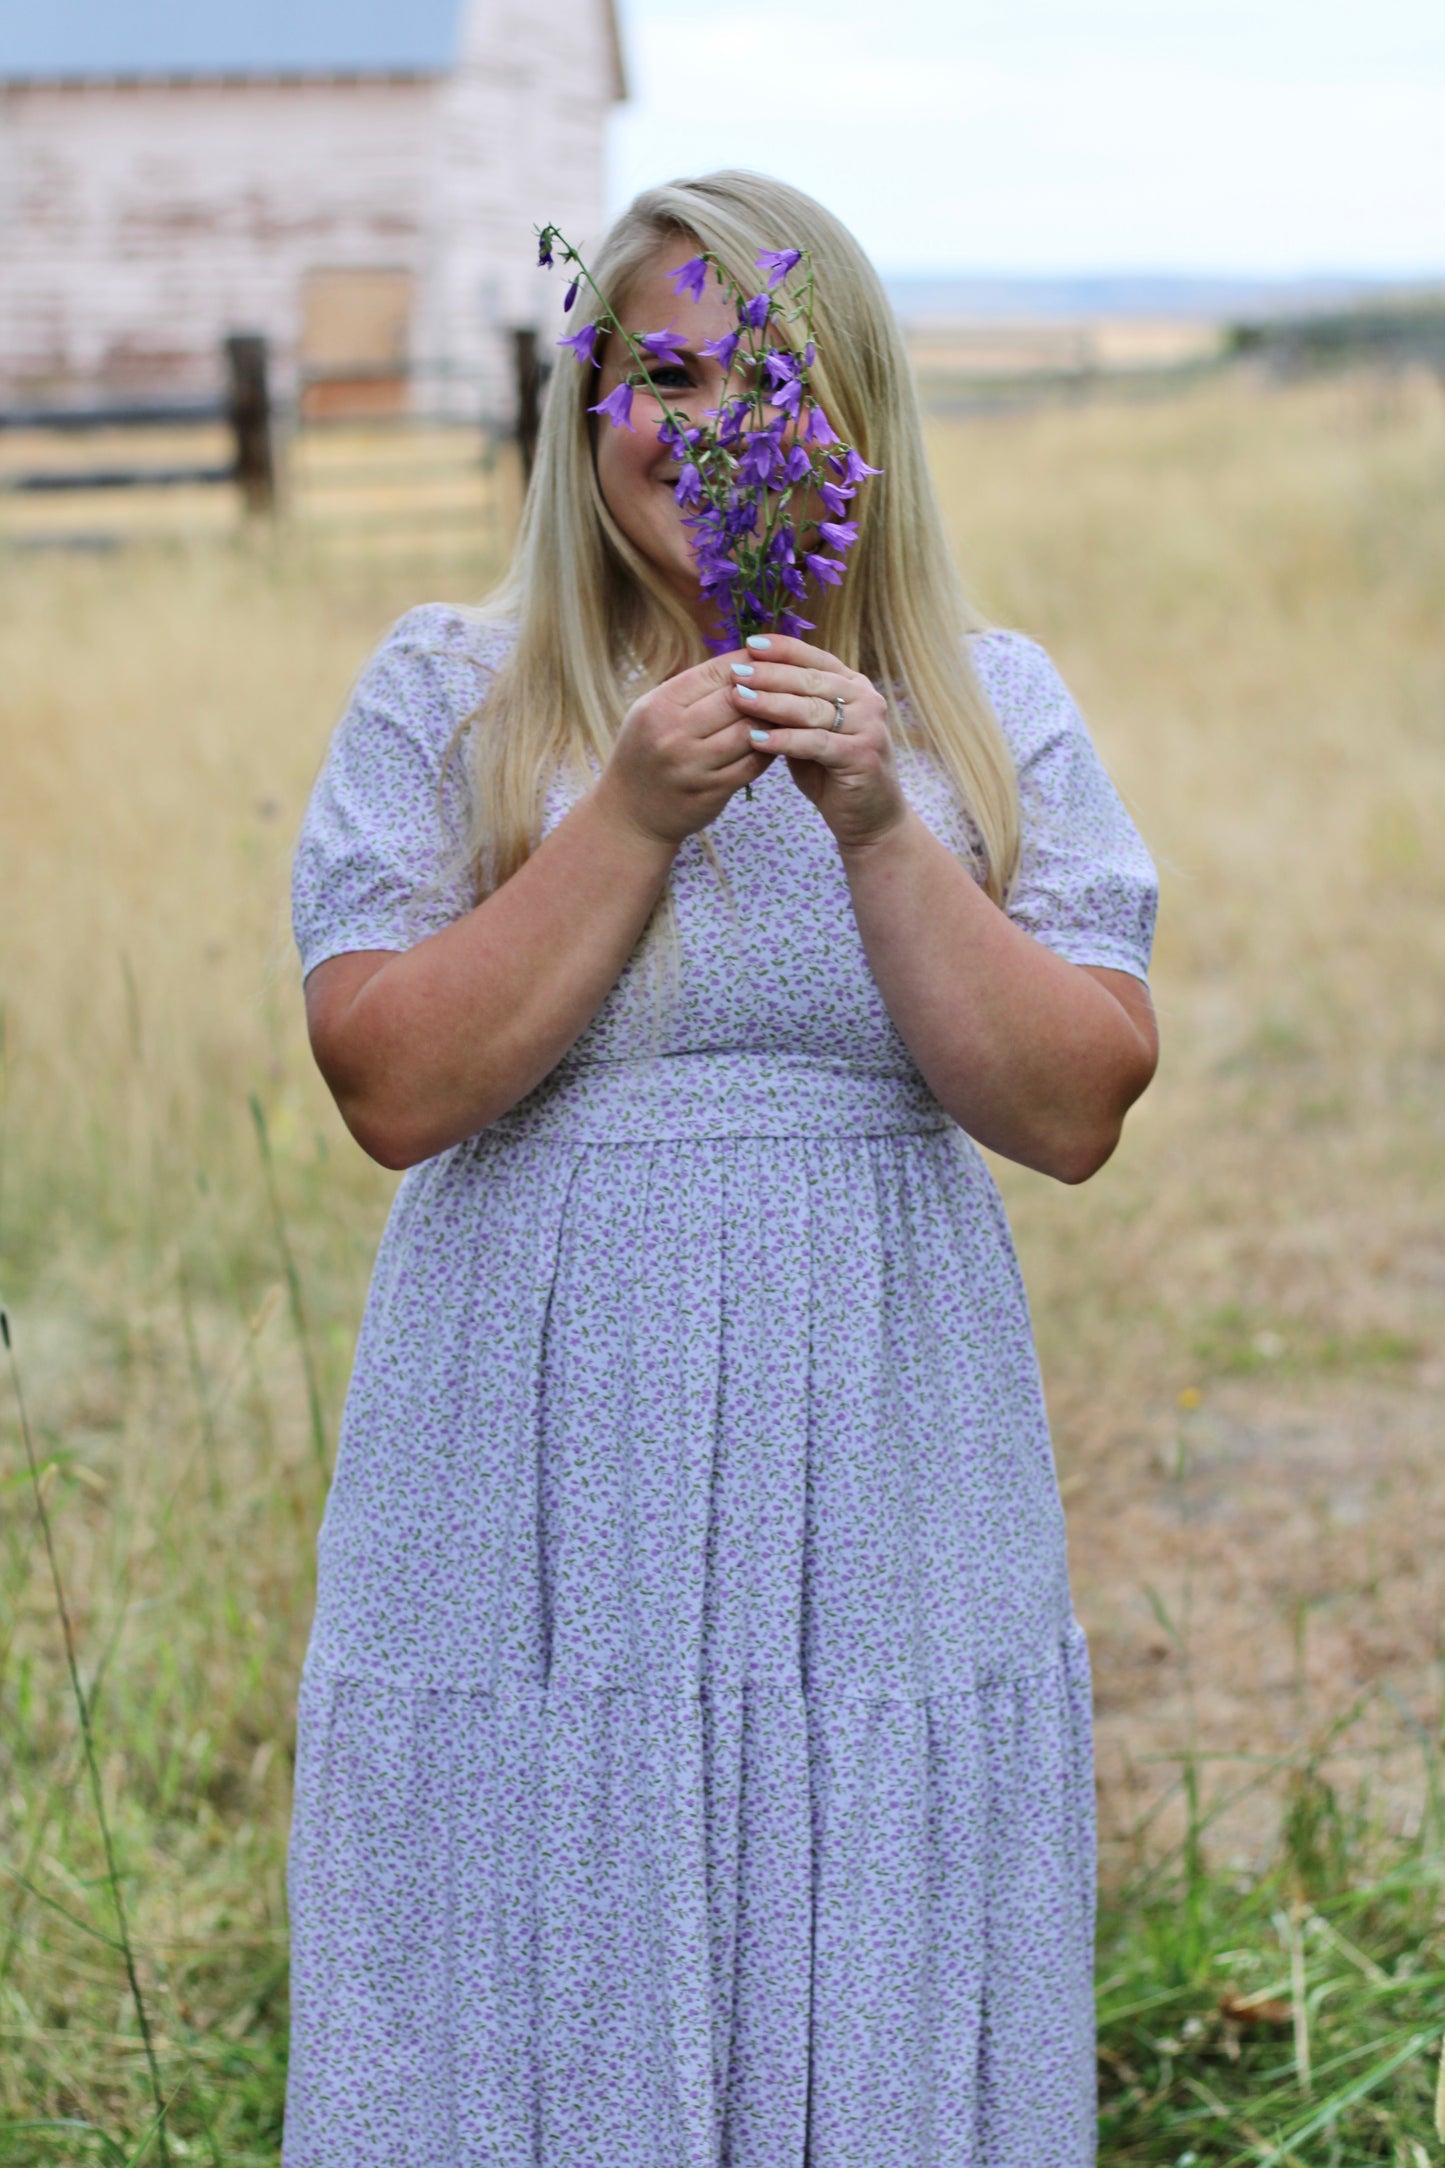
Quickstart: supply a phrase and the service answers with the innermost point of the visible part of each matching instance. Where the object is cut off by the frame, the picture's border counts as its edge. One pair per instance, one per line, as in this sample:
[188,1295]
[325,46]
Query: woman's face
[636,473]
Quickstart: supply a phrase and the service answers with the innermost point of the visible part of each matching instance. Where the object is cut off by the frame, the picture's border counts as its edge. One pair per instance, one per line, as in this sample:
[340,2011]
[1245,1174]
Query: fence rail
[245,409]
[119,414]
[440,458]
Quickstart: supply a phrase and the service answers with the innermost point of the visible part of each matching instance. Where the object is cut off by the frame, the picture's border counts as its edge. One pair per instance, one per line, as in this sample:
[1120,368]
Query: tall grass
[1245,589]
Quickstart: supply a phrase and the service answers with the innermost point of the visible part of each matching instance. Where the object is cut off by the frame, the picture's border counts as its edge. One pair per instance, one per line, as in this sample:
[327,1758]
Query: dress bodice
[768,963]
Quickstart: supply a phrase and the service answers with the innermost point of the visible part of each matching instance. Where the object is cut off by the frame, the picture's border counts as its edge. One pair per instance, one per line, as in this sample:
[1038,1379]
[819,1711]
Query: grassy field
[1240,1318]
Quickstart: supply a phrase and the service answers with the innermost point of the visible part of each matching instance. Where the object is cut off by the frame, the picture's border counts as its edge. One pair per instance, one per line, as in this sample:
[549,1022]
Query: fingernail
[757,639]
[741,669]
[759,737]
[745,692]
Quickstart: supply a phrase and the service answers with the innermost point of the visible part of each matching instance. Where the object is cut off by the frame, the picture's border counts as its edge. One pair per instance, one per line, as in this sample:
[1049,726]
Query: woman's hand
[681,752]
[789,691]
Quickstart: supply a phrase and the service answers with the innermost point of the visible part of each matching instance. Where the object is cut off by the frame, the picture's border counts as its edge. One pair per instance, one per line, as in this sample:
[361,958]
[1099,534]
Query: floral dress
[695,1764]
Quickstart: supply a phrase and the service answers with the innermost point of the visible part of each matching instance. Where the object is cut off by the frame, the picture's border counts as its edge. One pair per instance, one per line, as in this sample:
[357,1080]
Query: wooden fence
[96,475]
[245,411]
[399,479]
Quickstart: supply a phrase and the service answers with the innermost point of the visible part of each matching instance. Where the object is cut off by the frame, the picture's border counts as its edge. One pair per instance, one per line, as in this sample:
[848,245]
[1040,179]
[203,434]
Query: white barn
[358,180]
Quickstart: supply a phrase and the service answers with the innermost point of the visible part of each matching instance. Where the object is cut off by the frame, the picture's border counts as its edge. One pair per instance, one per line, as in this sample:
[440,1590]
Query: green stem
[97,1790]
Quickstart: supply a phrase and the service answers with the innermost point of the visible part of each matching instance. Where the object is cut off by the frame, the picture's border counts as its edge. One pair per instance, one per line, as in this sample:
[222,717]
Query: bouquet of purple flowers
[764,480]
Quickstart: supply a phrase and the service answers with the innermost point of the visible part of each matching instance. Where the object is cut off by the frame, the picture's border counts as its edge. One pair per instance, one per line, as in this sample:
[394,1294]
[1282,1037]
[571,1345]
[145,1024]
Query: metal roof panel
[79,38]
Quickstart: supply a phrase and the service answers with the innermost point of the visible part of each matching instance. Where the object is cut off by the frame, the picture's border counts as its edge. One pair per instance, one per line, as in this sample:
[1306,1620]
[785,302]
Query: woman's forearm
[1027,1052]
[427,1047]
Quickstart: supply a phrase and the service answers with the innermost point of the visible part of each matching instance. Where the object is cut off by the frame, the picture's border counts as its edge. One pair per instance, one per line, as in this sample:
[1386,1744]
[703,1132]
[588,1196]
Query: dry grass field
[1240,1318]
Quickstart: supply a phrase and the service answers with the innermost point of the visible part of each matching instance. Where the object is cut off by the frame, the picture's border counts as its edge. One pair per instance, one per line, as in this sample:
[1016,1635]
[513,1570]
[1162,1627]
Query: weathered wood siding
[140,222]
[521,139]
[144,221]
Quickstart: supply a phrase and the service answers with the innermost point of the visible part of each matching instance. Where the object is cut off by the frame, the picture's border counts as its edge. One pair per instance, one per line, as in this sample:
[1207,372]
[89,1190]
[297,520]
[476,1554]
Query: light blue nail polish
[757,639]
[745,692]
[759,737]
[741,669]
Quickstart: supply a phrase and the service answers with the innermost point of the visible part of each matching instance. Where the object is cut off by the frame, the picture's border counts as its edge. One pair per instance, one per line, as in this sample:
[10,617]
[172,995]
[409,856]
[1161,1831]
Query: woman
[695,1757]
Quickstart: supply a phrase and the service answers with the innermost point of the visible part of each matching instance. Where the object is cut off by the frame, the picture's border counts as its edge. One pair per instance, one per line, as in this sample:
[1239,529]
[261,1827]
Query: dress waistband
[677,1096]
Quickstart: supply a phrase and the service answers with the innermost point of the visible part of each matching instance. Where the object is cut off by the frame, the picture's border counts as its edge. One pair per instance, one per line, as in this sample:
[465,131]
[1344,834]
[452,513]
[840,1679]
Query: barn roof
[73,39]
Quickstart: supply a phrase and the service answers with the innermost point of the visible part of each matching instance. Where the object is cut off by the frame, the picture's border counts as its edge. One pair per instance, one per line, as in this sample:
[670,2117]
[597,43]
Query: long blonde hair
[593,617]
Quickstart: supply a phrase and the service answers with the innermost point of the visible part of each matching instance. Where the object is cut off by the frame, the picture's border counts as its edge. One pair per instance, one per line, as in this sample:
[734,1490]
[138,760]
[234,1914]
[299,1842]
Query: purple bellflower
[583,344]
[723,349]
[850,468]
[690,278]
[764,486]
[731,419]
[759,458]
[827,569]
[617,406]
[778,262]
[664,347]
[674,437]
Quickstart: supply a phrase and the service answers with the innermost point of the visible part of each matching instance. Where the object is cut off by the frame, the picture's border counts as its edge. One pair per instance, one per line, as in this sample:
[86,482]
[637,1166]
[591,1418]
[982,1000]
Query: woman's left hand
[790,692]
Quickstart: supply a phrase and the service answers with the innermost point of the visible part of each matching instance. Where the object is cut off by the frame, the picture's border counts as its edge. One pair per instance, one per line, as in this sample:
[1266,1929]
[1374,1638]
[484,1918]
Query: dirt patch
[1261,1576]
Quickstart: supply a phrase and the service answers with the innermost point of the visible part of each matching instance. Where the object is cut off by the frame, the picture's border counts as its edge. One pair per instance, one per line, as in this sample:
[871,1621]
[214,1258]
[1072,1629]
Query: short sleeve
[1086,886]
[374,866]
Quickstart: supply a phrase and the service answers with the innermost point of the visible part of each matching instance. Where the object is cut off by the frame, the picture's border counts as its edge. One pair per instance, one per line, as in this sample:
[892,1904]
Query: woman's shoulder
[427,673]
[1025,689]
[1000,648]
[449,635]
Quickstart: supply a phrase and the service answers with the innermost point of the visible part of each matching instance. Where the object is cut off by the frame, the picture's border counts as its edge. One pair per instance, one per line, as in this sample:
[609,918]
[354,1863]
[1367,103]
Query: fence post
[248,401]
[528,381]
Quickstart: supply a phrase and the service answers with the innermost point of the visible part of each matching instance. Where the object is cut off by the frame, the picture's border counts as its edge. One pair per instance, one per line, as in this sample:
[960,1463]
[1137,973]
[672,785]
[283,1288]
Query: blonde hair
[596,624]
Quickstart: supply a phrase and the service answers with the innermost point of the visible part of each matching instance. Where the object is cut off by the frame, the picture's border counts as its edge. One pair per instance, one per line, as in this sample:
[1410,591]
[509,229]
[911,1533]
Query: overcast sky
[1269,136]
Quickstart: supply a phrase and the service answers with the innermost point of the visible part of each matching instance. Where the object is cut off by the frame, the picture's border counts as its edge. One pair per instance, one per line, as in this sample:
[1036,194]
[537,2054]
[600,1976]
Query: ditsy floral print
[695,1761]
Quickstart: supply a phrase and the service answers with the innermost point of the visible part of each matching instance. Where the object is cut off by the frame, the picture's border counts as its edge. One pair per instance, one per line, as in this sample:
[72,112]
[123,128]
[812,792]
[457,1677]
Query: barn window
[355,341]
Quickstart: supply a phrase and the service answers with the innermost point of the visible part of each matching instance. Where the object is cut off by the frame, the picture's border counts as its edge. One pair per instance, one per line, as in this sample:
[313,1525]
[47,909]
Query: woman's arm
[1035,1057]
[1038,1058]
[426,1047]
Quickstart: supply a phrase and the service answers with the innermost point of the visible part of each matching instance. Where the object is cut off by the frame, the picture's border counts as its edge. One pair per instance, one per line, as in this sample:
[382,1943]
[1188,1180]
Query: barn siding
[141,222]
[151,219]
[521,139]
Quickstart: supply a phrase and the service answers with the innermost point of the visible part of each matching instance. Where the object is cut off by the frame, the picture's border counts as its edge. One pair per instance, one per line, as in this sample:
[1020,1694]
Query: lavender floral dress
[695,1757]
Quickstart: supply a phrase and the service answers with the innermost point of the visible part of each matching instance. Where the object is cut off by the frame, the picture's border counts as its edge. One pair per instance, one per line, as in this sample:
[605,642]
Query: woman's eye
[671,378]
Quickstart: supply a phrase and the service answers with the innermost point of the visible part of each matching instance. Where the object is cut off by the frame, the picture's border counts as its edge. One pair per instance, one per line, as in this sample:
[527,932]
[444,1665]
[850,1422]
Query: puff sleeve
[1086,887]
[370,869]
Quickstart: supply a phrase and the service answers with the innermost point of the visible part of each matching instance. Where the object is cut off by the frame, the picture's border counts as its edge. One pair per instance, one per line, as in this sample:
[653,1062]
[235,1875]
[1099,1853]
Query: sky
[41,35]
[1268,137]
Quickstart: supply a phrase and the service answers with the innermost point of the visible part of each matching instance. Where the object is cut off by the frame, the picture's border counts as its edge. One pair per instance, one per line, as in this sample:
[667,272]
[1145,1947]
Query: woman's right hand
[681,752]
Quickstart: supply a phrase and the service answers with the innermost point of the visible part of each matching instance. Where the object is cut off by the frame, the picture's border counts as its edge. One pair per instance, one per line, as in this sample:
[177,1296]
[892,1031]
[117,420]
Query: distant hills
[920,298]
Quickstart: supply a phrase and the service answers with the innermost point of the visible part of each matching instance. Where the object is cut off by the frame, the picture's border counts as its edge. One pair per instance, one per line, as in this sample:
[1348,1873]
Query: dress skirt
[695,1759]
